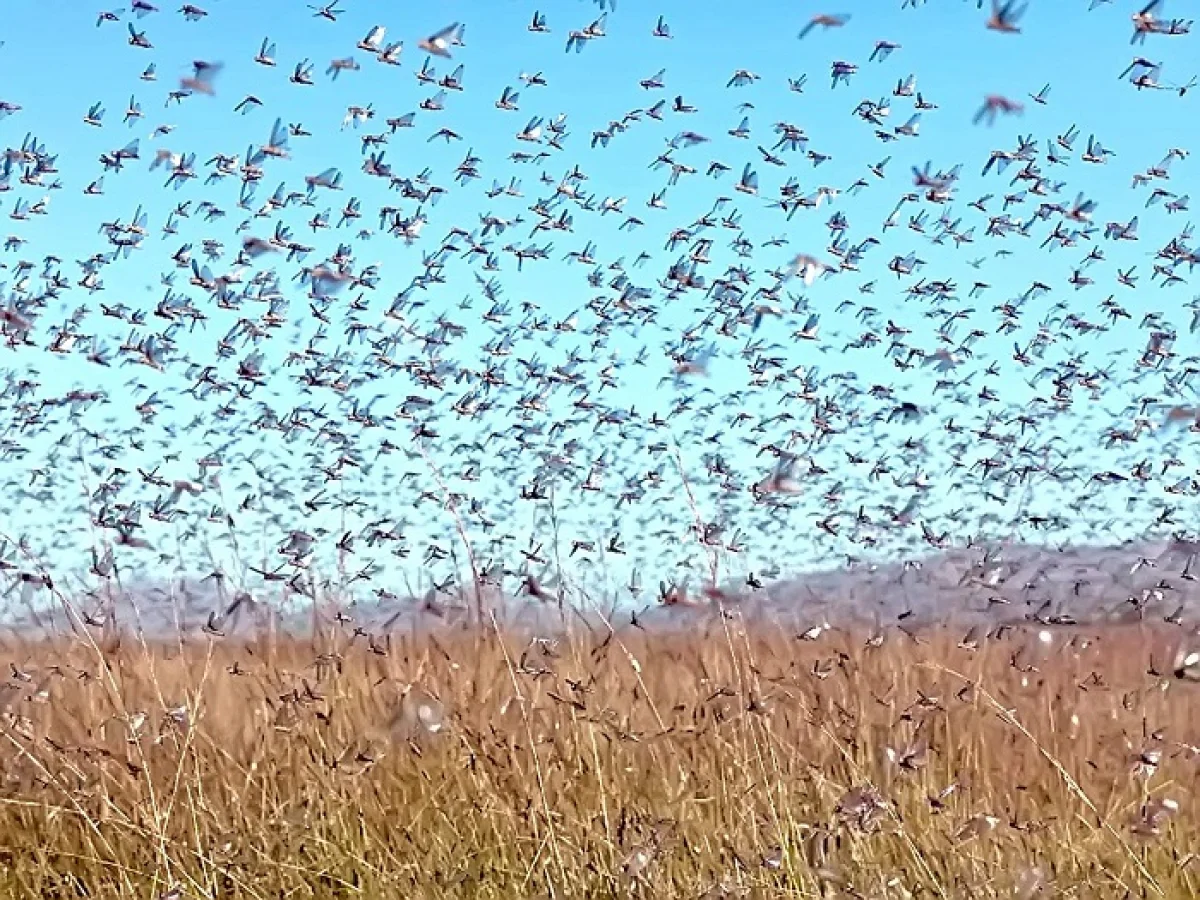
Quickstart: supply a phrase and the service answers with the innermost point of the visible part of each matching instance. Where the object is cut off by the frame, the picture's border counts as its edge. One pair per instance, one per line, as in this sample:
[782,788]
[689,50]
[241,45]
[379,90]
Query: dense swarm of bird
[501,373]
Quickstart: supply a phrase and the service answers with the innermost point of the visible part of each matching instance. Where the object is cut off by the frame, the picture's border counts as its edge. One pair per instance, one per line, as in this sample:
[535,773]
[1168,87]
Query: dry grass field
[720,759]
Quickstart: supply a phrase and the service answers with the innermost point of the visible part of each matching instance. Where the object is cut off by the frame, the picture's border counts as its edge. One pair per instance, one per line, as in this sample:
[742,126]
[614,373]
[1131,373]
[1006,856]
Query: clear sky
[56,74]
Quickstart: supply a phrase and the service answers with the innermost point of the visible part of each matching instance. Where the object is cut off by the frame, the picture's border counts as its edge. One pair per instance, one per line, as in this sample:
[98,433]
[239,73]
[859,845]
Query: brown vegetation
[724,760]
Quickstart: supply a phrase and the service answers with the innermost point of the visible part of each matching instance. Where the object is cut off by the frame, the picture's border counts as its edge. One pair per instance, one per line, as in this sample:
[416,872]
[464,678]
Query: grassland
[720,759]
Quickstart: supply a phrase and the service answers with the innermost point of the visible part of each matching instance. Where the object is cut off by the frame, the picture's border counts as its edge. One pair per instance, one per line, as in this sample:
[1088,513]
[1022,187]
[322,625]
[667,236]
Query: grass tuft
[730,759]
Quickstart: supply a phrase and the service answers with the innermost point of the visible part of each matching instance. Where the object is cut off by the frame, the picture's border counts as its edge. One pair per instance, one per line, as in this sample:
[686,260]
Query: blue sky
[956,61]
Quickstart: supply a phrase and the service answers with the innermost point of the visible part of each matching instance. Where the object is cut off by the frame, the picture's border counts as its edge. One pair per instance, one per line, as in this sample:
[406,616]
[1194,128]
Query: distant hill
[1085,584]
[1002,582]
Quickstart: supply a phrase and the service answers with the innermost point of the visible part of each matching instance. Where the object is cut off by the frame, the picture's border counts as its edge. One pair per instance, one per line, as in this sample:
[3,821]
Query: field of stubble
[721,760]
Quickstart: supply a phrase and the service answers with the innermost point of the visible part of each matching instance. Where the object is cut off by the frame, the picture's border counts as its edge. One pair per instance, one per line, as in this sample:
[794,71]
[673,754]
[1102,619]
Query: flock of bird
[384,380]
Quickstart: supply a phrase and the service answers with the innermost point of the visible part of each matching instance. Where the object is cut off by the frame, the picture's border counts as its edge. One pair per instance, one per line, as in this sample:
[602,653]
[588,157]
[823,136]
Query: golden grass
[724,760]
